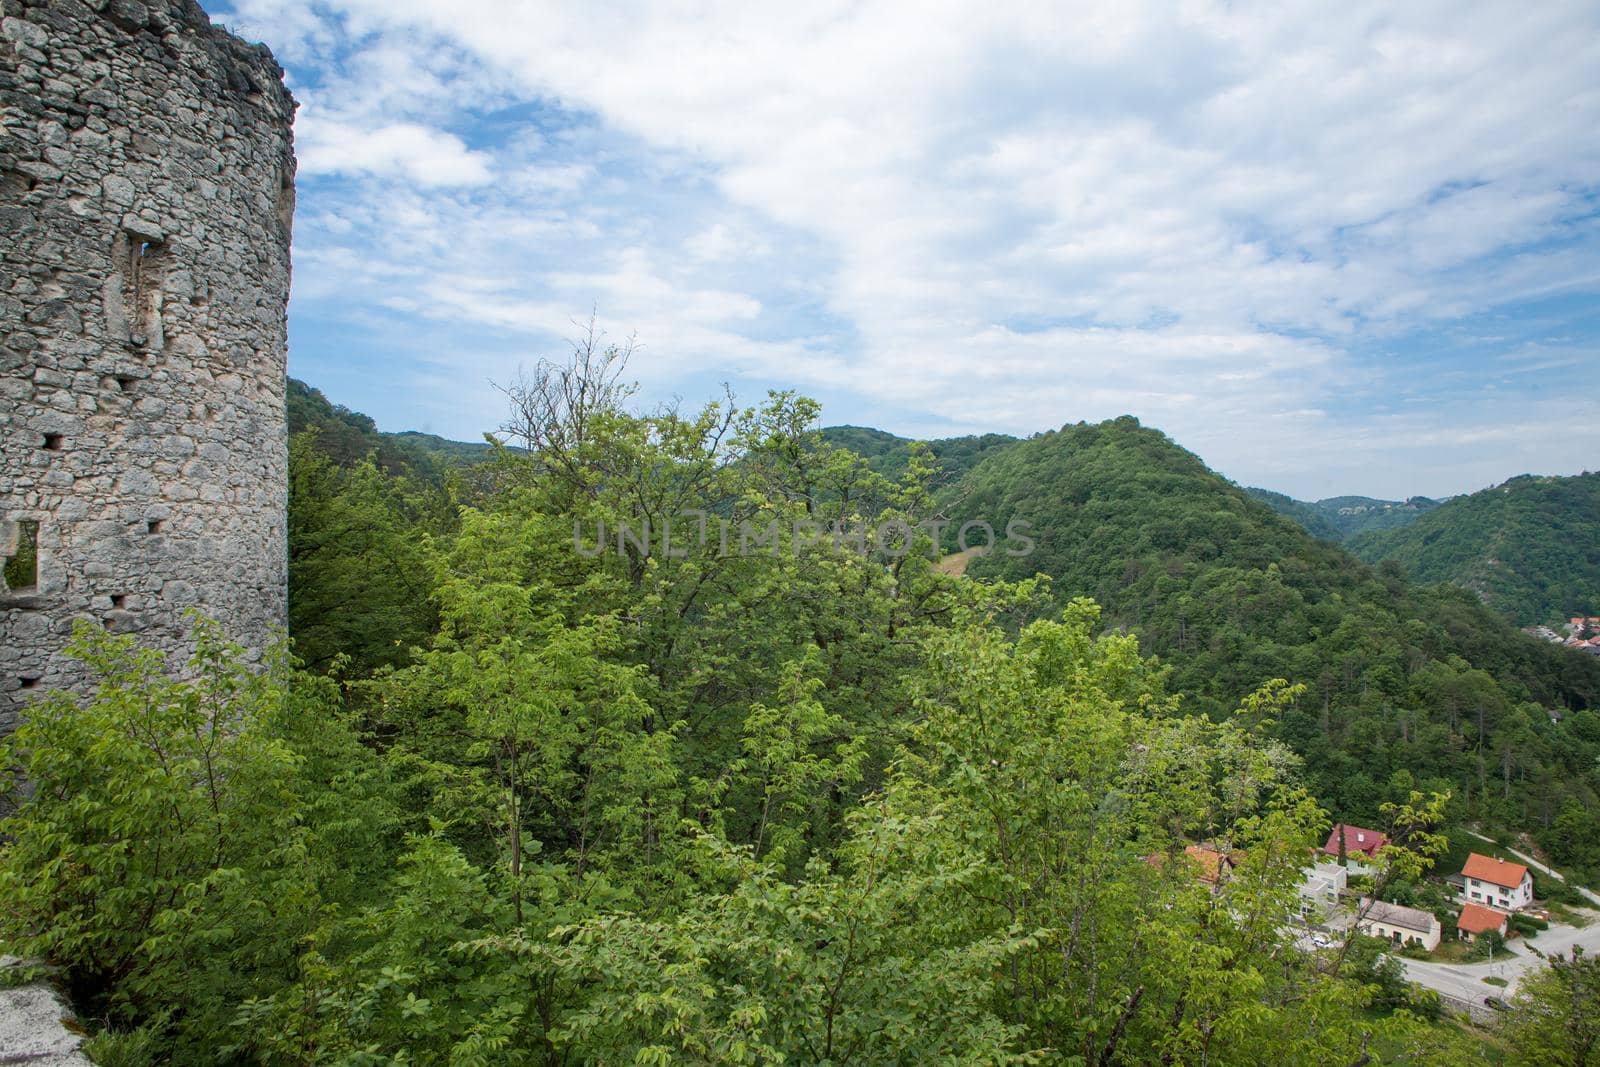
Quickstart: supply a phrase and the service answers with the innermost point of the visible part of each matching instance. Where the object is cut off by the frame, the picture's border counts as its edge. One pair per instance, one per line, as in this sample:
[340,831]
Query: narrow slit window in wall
[142,261]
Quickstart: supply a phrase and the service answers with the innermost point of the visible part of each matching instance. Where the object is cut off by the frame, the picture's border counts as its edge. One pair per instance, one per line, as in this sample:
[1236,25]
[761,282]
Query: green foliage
[21,570]
[1572,840]
[360,562]
[178,839]
[1527,547]
[1487,945]
[1553,1019]
[891,456]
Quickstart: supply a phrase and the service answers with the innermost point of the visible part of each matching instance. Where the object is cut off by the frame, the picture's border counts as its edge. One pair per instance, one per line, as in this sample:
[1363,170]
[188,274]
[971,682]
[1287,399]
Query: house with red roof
[1360,844]
[1214,865]
[1208,864]
[1475,920]
[1497,883]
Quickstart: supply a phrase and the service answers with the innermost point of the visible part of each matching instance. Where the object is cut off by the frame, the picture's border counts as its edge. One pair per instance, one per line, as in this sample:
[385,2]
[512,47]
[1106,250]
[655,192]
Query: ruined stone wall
[146,194]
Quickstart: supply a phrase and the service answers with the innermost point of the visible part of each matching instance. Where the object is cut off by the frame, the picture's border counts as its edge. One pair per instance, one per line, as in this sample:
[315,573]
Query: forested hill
[1530,547]
[347,437]
[888,454]
[1308,515]
[1339,518]
[1405,683]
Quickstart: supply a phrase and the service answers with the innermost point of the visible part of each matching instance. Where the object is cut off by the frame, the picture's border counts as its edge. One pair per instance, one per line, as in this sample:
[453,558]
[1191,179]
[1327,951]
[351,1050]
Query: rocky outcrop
[36,1027]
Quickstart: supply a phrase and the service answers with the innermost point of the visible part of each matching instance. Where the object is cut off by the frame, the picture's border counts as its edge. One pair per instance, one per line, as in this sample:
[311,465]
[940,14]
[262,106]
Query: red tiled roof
[1357,840]
[1475,919]
[1494,871]
[1210,861]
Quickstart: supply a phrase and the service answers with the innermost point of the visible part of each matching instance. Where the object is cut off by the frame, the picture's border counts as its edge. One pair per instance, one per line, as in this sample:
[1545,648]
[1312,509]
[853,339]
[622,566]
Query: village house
[1475,920]
[1214,866]
[1497,883]
[1209,865]
[1320,889]
[1398,924]
[1360,845]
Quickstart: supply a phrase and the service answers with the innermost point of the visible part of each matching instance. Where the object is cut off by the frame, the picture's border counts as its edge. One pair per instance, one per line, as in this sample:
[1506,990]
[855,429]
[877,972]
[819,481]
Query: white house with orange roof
[1497,883]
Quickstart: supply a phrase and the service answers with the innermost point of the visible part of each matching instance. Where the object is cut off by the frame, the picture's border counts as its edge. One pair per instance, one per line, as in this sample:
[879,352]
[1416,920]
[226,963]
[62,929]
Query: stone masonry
[146,195]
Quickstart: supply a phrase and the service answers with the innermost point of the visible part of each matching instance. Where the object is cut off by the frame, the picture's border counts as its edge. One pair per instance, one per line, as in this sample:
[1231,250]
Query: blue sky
[1347,248]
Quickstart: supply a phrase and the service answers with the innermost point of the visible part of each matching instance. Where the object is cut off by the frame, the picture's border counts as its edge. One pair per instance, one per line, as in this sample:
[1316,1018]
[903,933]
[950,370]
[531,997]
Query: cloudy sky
[1342,248]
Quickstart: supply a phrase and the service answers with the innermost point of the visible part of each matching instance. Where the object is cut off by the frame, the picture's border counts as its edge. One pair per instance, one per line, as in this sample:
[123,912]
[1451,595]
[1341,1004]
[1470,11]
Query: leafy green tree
[176,840]
[1553,1019]
[360,563]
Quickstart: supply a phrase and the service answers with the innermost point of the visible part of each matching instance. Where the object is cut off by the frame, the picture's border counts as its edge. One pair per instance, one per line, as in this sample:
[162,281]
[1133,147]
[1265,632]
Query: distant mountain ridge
[1339,518]
[1530,548]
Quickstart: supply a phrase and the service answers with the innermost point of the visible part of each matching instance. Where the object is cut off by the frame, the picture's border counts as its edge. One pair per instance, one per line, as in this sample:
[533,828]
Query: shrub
[1424,1003]
[167,855]
[1528,924]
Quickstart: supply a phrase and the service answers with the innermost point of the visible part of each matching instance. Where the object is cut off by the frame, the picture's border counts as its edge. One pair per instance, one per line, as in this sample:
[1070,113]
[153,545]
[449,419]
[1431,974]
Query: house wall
[1319,891]
[1429,941]
[1469,937]
[1501,897]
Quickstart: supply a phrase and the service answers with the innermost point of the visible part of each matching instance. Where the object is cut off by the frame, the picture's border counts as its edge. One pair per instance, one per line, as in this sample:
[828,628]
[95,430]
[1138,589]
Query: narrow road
[1467,979]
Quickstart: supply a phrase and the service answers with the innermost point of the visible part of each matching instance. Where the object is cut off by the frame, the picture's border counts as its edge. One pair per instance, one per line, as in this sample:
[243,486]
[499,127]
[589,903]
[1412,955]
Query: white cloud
[991,217]
[427,157]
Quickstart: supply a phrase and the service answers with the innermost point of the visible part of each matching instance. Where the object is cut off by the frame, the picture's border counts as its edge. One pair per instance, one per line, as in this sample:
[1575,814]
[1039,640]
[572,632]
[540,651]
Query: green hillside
[549,800]
[887,454]
[347,437]
[1306,514]
[1530,547]
[1404,683]
[1339,518]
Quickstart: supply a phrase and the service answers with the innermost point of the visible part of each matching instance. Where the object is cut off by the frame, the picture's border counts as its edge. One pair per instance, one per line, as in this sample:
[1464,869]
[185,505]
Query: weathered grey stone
[24,32]
[33,1025]
[146,172]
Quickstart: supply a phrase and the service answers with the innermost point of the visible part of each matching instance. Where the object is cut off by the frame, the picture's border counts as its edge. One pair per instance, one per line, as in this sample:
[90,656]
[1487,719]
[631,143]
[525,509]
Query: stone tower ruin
[146,194]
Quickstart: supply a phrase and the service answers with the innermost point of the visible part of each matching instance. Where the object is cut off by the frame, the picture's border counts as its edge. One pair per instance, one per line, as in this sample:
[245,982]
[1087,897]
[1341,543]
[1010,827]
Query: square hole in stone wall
[153,526]
[28,681]
[118,599]
[54,442]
